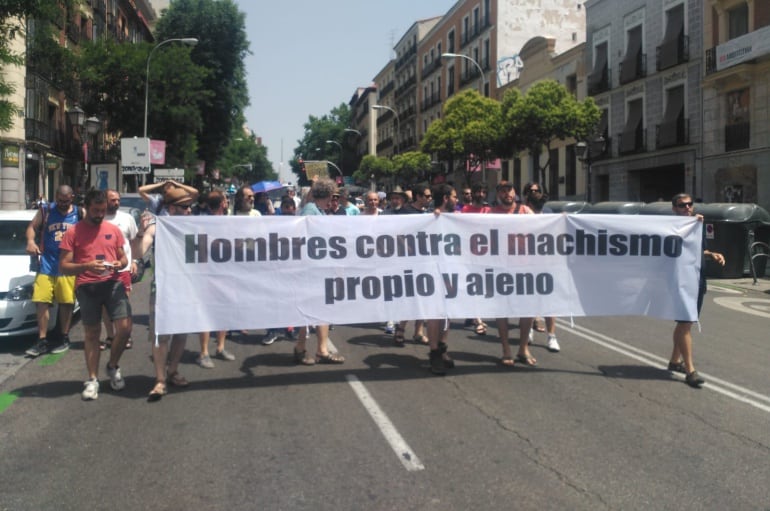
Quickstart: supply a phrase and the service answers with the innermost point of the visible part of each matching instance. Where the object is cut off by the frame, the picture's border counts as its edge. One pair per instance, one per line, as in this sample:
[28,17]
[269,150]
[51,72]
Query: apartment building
[42,150]
[565,177]
[484,40]
[736,102]
[644,63]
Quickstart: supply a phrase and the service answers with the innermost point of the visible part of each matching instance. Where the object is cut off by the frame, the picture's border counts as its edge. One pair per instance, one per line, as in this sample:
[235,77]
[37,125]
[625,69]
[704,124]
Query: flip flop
[156,394]
[507,362]
[527,360]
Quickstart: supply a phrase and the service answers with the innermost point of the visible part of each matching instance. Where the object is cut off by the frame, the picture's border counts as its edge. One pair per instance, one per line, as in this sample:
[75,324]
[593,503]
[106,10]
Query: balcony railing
[672,134]
[711,60]
[43,133]
[673,53]
[639,71]
[632,142]
[385,144]
[601,83]
[471,73]
[474,30]
[384,117]
[406,86]
[388,87]
[411,52]
[430,68]
[737,136]
[431,100]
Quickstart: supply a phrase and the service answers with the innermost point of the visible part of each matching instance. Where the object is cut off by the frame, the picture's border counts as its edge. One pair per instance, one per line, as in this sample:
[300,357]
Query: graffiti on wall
[508,69]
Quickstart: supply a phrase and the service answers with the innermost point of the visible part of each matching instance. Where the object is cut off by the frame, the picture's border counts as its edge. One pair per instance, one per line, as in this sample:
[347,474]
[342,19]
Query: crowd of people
[86,252]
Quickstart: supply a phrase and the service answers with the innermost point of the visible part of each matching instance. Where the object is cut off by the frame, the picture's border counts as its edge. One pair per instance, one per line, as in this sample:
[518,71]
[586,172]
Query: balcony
[711,60]
[388,87]
[635,69]
[430,69]
[672,134]
[632,142]
[388,142]
[411,52]
[406,86]
[430,101]
[599,82]
[672,53]
[737,136]
[470,74]
[474,30]
[384,117]
[43,133]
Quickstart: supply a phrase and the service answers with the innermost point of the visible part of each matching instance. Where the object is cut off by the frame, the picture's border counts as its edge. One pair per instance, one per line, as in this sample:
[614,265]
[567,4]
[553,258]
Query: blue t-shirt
[54,226]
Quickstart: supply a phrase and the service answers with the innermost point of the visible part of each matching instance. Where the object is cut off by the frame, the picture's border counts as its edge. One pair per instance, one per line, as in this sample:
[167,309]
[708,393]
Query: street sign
[169,174]
[135,155]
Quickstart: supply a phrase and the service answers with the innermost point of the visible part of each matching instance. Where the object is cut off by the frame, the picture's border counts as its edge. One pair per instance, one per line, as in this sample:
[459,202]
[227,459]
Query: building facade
[644,61]
[736,102]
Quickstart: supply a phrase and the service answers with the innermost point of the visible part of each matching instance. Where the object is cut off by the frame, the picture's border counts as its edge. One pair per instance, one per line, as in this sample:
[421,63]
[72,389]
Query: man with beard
[127,226]
[52,220]
[506,204]
[93,251]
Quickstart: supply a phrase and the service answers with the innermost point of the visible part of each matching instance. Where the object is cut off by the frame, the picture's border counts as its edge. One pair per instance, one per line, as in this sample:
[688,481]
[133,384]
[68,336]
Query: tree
[469,131]
[374,168]
[112,82]
[546,113]
[222,47]
[313,145]
[411,167]
[244,159]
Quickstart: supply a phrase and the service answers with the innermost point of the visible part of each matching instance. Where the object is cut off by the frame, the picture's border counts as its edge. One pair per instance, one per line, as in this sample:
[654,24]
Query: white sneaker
[389,327]
[552,344]
[91,390]
[116,379]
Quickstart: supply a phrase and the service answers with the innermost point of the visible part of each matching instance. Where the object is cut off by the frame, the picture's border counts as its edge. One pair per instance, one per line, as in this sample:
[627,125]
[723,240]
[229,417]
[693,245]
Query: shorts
[702,287]
[109,294]
[49,288]
[125,278]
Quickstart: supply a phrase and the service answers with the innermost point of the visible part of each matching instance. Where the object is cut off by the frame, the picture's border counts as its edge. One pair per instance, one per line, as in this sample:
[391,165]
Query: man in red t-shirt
[93,251]
[506,204]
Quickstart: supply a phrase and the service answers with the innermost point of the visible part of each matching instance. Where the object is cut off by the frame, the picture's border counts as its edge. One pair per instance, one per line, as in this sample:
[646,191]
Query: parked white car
[17,312]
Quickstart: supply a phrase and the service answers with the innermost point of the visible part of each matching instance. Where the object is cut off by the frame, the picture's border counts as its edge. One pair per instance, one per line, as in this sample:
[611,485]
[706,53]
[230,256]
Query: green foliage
[313,145]
[546,113]
[113,86]
[242,151]
[222,47]
[376,167]
[469,130]
[410,167]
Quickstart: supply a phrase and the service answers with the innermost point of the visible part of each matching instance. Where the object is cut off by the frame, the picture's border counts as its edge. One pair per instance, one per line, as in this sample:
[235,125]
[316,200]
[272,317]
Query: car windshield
[13,239]
[133,201]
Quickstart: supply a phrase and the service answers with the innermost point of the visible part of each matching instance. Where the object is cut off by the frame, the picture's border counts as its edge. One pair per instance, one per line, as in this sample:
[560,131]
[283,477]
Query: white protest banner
[230,273]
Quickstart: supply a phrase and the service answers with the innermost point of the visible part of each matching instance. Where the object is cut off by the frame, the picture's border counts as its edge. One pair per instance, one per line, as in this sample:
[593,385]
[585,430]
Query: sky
[309,56]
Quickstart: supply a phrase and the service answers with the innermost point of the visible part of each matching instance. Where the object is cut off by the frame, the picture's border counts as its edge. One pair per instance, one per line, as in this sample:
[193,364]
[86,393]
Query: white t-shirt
[127,226]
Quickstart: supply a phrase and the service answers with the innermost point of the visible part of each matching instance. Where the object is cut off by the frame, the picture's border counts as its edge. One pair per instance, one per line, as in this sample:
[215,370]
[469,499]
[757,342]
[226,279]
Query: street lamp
[190,41]
[398,122]
[92,125]
[583,150]
[351,130]
[466,57]
[338,145]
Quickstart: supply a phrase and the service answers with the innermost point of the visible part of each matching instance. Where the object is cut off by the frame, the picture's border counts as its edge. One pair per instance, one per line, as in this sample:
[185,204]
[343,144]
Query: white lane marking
[728,290]
[405,454]
[718,385]
[753,306]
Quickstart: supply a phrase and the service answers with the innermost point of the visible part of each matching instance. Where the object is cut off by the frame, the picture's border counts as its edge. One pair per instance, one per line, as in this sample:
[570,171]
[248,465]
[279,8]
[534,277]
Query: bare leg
[91,348]
[683,346]
[119,341]
[109,328]
[205,337]
[525,325]
[221,336]
[550,325]
[178,342]
[41,310]
[502,332]
[65,317]
[322,332]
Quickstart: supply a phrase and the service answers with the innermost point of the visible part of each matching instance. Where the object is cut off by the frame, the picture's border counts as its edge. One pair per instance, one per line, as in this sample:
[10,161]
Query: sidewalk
[744,283]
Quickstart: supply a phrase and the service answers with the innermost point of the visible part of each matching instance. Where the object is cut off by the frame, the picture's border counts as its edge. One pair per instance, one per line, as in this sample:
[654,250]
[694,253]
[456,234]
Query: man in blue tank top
[44,233]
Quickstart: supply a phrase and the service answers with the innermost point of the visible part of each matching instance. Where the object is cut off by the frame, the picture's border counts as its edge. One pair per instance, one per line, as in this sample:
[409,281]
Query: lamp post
[340,146]
[466,57]
[398,122]
[583,149]
[92,125]
[351,130]
[190,41]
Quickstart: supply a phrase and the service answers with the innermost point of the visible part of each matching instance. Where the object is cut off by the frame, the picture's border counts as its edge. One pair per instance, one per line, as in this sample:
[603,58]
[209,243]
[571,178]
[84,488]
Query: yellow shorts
[48,288]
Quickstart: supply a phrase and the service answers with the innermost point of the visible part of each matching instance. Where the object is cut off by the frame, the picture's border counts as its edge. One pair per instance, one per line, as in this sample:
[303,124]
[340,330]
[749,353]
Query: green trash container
[731,228]
[615,208]
[566,206]
[657,208]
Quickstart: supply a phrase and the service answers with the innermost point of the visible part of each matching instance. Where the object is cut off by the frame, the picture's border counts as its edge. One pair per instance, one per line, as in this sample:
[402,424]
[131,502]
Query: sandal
[301,358]
[177,380]
[694,380]
[329,358]
[507,362]
[526,359]
[481,328]
[103,345]
[157,392]
[677,367]
[398,337]
[421,339]
[449,363]
[537,326]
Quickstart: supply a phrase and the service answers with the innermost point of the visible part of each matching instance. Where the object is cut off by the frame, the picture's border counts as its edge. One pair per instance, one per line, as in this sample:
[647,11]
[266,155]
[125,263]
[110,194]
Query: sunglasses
[185,206]
[535,190]
[684,204]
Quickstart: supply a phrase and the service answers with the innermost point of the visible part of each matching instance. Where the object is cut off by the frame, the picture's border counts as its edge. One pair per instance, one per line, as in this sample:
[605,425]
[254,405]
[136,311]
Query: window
[672,129]
[632,139]
[738,21]
[451,41]
[598,80]
[571,84]
[737,125]
[553,174]
[450,81]
[632,66]
[672,50]
[485,64]
[570,177]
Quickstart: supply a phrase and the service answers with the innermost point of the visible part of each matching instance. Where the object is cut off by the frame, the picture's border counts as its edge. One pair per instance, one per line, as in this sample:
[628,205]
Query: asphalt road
[600,425]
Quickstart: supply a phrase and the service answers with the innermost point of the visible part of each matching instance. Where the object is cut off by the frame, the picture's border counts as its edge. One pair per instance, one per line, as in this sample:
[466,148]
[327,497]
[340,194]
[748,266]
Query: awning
[632,128]
[669,130]
[630,68]
[670,47]
[600,65]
